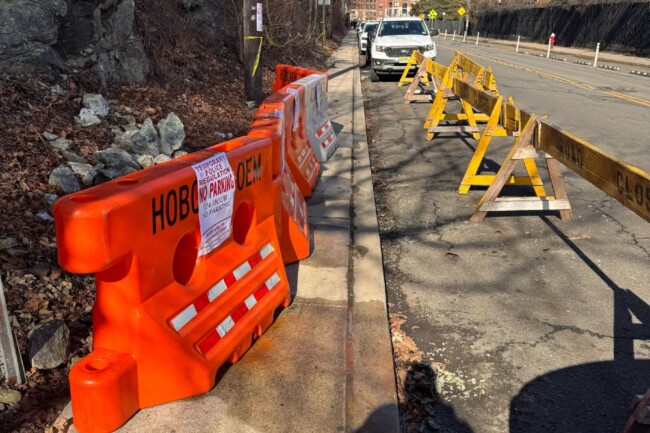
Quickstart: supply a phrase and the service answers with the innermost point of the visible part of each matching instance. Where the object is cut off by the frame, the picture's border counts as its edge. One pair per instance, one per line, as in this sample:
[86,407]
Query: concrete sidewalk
[326,364]
[581,53]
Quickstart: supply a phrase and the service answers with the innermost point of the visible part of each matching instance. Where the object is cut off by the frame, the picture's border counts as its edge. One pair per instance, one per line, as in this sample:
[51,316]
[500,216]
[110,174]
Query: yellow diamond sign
[461,11]
[433,14]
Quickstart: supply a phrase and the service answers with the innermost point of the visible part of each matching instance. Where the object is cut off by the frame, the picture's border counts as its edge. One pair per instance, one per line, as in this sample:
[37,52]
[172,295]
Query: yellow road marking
[633,99]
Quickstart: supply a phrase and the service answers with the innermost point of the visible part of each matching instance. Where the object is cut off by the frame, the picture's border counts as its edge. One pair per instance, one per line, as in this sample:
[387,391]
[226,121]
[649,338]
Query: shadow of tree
[593,397]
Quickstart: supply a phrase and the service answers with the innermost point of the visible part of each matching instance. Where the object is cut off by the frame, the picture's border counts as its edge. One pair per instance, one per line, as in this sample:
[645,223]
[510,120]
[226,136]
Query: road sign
[421,16]
[433,14]
[461,11]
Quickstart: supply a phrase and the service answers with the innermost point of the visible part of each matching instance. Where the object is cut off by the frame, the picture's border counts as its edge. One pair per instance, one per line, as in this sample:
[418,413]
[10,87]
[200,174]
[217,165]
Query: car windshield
[370,27]
[395,28]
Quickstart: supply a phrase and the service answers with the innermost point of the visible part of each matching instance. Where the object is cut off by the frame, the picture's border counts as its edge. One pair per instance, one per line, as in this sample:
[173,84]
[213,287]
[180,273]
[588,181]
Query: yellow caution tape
[259,52]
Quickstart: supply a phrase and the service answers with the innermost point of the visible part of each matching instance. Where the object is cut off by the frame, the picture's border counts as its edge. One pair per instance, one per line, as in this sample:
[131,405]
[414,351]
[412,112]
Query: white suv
[395,40]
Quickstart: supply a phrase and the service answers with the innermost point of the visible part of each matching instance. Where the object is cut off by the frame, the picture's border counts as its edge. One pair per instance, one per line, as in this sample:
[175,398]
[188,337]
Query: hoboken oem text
[176,204]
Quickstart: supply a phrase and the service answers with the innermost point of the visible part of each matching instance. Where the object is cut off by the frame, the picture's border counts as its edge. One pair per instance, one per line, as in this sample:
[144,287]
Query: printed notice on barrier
[216,188]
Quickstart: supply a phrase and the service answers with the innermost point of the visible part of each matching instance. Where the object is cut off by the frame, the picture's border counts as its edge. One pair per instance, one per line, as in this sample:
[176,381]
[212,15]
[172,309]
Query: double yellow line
[633,99]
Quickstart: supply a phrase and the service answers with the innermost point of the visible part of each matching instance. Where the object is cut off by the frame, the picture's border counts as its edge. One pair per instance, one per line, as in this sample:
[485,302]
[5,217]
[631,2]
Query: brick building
[377,9]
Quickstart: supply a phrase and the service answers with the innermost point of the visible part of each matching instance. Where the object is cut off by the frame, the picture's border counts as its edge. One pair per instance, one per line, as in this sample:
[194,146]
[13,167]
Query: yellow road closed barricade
[319,127]
[416,59]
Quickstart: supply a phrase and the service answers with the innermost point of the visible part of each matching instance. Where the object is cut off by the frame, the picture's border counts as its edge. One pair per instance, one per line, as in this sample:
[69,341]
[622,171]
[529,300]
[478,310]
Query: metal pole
[465,35]
[548,52]
[477,35]
[445,34]
[252,53]
[597,51]
[467,18]
[454,38]
[517,49]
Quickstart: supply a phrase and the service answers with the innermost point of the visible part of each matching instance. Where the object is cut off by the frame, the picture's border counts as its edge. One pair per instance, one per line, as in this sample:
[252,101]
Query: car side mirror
[371,34]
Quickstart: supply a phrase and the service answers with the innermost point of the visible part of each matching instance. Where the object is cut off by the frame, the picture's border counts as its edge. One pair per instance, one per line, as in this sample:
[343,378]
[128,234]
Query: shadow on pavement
[421,408]
[593,397]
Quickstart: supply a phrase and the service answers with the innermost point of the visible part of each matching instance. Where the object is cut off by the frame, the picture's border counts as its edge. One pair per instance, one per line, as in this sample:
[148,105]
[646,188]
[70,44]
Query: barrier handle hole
[83,198]
[127,181]
[242,221]
[185,256]
[97,365]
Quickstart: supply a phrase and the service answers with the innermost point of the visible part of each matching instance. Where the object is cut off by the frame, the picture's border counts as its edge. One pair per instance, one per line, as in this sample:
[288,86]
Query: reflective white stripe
[216,290]
[308,172]
[185,316]
[225,326]
[271,282]
[302,212]
[266,251]
[242,270]
[293,201]
[250,302]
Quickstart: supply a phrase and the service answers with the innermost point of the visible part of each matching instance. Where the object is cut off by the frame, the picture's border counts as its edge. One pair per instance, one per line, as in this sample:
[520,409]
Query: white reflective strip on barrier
[272,281]
[250,302]
[225,326]
[184,317]
[216,290]
[293,202]
[242,270]
[268,249]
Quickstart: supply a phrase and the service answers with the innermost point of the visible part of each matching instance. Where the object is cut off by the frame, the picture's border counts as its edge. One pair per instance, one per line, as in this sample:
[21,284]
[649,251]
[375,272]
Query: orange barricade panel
[299,154]
[177,296]
[320,130]
[287,74]
[274,120]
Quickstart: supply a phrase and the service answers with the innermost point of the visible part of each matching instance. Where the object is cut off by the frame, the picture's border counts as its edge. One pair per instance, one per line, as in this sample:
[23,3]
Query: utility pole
[252,17]
[467,17]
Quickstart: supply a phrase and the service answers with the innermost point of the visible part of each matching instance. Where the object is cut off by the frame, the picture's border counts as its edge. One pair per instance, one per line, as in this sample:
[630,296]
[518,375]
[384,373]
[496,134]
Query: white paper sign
[260,18]
[216,187]
[296,111]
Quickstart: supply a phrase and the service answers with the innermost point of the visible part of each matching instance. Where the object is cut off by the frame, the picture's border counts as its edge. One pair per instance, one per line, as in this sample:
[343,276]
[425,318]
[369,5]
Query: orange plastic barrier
[299,155]
[274,119]
[170,310]
[287,74]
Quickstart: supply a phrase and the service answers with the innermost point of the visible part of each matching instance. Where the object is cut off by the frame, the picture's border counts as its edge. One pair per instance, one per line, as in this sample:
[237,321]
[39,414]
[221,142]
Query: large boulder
[28,29]
[172,134]
[116,158]
[120,52]
[64,179]
[146,140]
[49,345]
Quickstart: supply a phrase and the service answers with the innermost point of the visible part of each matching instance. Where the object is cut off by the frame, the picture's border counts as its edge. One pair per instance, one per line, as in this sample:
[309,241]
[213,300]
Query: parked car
[363,36]
[360,27]
[396,38]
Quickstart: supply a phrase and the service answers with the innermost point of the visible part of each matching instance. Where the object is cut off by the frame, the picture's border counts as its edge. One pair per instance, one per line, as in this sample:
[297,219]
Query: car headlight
[427,47]
[379,48]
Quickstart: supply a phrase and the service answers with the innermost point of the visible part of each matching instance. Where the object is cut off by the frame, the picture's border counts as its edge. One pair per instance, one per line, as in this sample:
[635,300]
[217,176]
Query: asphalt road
[532,324]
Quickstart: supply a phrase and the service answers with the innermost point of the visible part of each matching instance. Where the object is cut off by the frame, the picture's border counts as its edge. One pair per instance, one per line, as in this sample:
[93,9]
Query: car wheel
[374,77]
